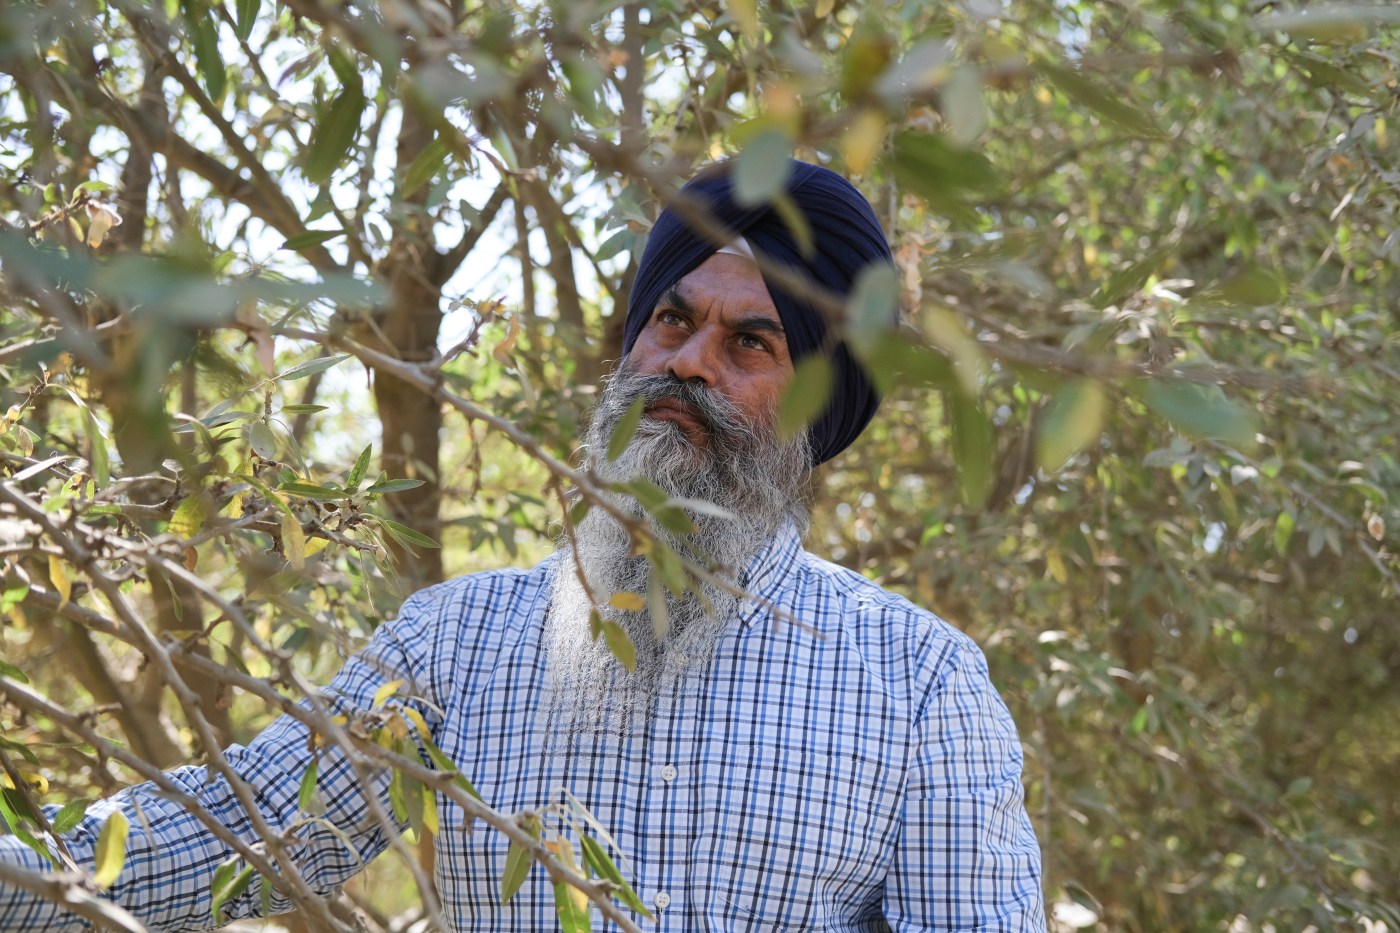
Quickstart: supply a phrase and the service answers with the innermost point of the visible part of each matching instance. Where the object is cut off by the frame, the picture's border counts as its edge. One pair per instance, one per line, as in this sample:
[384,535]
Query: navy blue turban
[847,239]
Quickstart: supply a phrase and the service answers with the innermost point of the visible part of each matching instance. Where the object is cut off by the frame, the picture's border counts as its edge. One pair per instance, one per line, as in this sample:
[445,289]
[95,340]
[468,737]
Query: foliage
[1138,437]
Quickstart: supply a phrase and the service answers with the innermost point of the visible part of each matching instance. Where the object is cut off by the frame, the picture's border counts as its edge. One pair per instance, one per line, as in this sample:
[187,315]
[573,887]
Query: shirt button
[668,774]
[662,900]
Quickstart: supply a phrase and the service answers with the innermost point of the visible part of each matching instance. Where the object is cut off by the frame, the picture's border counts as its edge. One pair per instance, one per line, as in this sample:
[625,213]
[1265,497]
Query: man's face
[717,327]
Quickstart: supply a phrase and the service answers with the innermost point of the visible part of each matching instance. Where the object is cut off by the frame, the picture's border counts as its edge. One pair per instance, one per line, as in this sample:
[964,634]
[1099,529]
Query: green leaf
[519,860]
[15,821]
[619,241]
[228,883]
[573,917]
[396,800]
[897,359]
[1128,281]
[71,815]
[1113,105]
[1283,530]
[444,764]
[1201,411]
[312,367]
[872,311]
[626,428]
[1251,288]
[962,105]
[620,644]
[792,217]
[424,166]
[309,491]
[303,409]
[806,395]
[597,856]
[1073,420]
[650,495]
[12,672]
[357,472]
[941,173]
[404,534]
[20,749]
[335,134]
[262,440]
[205,28]
[762,169]
[307,798]
[246,18]
[412,790]
[973,447]
[92,187]
[310,238]
[110,855]
[386,486]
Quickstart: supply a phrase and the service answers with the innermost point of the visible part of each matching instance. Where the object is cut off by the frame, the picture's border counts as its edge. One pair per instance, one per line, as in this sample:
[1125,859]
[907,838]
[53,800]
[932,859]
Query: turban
[846,237]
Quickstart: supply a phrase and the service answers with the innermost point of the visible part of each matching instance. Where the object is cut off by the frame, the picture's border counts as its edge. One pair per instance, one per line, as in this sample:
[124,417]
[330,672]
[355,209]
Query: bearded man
[795,748]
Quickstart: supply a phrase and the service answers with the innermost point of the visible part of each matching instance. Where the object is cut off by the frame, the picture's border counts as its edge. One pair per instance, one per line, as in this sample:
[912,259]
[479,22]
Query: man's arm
[967,858]
[171,856]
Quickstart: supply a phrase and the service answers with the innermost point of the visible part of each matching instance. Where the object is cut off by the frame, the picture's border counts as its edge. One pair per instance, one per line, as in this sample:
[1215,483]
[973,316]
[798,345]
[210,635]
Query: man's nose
[696,360]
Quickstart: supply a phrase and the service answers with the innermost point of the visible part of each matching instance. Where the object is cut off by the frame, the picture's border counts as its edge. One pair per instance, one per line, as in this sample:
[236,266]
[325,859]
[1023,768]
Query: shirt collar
[766,573]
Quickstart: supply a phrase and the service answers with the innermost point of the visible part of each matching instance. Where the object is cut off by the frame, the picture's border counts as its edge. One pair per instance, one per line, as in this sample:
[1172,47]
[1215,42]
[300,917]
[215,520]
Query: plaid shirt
[867,779]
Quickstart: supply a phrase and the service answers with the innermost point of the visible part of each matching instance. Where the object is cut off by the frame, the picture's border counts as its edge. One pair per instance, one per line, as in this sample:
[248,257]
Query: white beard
[743,470]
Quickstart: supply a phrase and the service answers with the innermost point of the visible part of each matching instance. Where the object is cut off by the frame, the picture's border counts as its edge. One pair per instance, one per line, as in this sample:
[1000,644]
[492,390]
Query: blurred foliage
[1139,437]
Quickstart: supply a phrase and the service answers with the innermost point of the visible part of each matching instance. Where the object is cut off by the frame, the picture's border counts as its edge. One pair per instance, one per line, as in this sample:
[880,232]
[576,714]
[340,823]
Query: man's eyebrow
[673,297]
[761,325]
[755,323]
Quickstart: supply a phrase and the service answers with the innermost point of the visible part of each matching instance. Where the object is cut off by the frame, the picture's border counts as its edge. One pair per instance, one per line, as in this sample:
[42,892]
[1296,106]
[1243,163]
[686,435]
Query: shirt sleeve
[967,857]
[171,857]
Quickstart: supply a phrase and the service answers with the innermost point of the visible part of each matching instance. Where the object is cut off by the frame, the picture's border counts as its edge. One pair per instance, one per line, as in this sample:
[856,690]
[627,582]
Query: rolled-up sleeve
[171,856]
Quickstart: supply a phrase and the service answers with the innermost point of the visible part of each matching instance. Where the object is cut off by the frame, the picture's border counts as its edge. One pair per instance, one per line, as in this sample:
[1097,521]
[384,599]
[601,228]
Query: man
[823,756]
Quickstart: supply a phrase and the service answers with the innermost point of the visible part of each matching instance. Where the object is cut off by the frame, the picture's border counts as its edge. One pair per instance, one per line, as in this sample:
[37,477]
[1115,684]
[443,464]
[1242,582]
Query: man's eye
[669,317]
[752,342]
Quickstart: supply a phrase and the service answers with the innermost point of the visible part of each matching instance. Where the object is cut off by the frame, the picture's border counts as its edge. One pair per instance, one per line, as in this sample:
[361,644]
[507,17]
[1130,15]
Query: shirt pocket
[791,839]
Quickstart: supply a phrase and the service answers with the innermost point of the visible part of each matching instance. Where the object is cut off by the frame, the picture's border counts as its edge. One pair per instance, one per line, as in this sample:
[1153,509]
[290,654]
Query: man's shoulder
[489,600]
[885,622]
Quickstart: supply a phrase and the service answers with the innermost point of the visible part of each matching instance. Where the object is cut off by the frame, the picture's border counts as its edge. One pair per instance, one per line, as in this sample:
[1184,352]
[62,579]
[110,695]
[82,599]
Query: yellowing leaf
[745,13]
[419,722]
[430,812]
[501,351]
[110,854]
[316,546]
[627,602]
[384,692]
[234,509]
[293,542]
[59,577]
[1055,564]
[862,141]
[189,516]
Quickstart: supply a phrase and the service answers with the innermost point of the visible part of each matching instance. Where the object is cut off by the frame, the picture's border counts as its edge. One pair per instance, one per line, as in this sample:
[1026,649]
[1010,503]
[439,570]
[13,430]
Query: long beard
[743,469]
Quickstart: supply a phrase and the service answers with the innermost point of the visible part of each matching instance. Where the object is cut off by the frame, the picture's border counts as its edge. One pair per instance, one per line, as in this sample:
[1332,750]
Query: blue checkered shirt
[866,779]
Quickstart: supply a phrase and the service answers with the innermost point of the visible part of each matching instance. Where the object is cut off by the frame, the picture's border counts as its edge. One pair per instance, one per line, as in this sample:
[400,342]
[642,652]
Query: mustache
[718,415]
